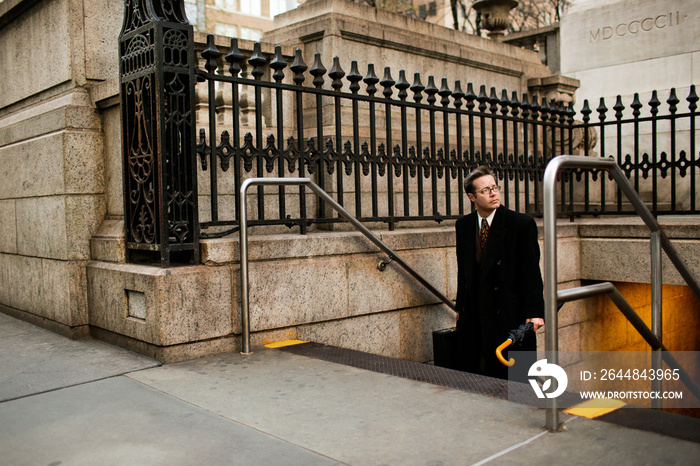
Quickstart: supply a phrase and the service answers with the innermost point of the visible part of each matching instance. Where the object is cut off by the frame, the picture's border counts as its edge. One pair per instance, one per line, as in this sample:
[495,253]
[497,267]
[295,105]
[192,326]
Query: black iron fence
[397,151]
[390,150]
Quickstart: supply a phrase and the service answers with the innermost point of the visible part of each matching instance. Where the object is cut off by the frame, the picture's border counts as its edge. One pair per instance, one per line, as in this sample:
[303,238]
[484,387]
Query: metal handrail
[658,241]
[243,233]
[627,310]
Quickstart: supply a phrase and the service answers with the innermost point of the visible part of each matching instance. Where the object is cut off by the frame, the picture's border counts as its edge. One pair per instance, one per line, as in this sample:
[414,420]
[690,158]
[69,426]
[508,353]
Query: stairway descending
[650,420]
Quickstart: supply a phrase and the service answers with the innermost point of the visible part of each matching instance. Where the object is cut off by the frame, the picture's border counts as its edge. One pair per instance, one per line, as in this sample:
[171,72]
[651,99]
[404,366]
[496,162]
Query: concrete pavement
[85,402]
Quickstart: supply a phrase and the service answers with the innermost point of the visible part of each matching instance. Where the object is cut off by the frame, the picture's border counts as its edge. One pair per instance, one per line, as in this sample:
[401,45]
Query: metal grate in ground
[464,381]
[664,423]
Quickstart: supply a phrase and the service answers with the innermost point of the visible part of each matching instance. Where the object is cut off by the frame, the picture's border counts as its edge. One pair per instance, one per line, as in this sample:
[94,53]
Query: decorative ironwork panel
[404,159]
[158,132]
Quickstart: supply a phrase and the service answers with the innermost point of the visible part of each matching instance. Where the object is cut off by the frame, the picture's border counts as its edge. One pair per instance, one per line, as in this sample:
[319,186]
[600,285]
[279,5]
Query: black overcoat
[505,289]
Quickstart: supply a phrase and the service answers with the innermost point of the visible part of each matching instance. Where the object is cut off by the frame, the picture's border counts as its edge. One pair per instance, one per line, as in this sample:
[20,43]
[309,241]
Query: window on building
[251,7]
[228,5]
[432,9]
[251,34]
[228,30]
[280,6]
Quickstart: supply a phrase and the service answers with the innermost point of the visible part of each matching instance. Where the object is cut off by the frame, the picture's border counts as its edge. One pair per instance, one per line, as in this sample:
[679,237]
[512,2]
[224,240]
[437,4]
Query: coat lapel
[495,242]
[470,245]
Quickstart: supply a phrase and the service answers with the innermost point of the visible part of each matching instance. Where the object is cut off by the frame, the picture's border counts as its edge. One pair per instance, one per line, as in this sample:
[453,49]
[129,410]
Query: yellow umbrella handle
[500,357]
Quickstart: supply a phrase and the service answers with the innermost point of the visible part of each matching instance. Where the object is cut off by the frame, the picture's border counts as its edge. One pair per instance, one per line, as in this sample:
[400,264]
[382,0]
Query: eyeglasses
[488,190]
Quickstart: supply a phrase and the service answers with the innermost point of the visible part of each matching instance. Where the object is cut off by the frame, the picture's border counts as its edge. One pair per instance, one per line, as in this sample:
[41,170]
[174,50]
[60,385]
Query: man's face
[486,200]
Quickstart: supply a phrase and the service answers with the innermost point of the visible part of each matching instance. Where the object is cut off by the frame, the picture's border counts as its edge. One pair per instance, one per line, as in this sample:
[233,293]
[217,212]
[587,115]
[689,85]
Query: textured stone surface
[183,304]
[54,164]
[103,21]
[225,250]
[628,31]
[628,260]
[113,179]
[21,278]
[375,291]
[377,334]
[83,217]
[568,259]
[67,293]
[297,291]
[620,48]
[38,168]
[673,226]
[41,227]
[71,109]
[58,227]
[8,227]
[349,30]
[419,238]
[108,243]
[219,251]
[51,289]
[47,61]
[83,163]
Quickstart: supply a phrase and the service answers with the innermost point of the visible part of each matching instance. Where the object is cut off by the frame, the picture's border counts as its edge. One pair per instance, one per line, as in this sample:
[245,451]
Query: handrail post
[656,310]
[550,284]
[658,242]
[551,344]
[243,246]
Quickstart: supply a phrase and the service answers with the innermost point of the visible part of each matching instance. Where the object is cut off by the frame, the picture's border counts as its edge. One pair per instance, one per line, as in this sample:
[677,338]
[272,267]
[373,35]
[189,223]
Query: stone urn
[494,16]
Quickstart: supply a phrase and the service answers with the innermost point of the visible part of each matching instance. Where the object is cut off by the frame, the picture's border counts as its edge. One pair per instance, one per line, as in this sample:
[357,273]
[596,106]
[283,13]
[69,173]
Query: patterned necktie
[484,233]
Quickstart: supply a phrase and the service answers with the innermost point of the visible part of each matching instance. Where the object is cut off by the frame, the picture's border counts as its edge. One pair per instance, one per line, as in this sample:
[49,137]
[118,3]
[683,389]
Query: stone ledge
[674,226]
[290,246]
[106,93]
[162,307]
[73,332]
[169,354]
[332,15]
[71,111]
[323,243]
[109,244]
[11,9]
[629,260]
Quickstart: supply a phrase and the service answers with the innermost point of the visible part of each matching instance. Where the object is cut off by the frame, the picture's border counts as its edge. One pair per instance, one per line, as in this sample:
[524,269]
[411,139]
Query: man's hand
[537,322]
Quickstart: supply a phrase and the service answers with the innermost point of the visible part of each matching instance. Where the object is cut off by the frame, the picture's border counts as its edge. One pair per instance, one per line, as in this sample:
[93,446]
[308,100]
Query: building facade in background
[248,19]
[245,19]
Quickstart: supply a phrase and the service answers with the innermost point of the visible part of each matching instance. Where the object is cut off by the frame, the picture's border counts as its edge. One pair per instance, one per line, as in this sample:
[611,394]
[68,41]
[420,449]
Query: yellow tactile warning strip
[283,343]
[593,408]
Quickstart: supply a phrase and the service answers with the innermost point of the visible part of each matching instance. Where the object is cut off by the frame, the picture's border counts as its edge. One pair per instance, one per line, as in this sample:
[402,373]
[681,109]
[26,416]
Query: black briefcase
[446,344]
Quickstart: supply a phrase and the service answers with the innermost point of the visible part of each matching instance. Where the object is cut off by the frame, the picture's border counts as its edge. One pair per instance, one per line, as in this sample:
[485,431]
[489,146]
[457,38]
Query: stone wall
[326,287]
[619,251]
[61,187]
[51,150]
[62,257]
[624,47]
[355,31]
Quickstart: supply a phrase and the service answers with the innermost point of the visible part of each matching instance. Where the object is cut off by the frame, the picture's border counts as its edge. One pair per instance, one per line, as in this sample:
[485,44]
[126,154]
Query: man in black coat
[499,283]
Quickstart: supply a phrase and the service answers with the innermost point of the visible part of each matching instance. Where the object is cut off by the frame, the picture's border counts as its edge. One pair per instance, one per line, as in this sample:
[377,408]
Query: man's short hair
[478,172]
